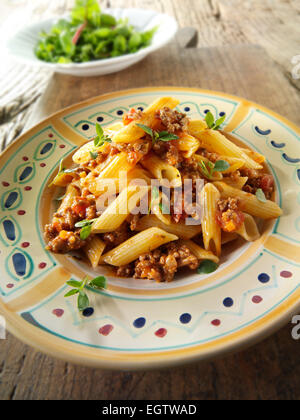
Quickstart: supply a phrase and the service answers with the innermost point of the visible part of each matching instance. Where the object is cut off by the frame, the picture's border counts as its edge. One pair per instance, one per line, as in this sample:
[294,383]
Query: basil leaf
[85,222]
[209,118]
[94,155]
[99,131]
[147,129]
[74,283]
[82,301]
[168,137]
[85,232]
[71,292]
[260,195]
[98,283]
[204,170]
[207,266]
[221,165]
[219,122]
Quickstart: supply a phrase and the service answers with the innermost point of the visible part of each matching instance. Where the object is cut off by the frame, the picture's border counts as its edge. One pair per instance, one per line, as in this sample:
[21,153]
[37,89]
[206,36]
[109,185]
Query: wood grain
[269,370]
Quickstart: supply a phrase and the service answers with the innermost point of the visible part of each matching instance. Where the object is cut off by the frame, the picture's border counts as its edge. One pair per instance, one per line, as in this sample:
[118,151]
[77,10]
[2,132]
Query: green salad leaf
[89,35]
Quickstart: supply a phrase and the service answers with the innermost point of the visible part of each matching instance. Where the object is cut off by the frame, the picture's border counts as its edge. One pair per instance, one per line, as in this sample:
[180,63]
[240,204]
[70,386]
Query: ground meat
[172,119]
[258,180]
[212,157]
[113,239]
[228,204]
[162,263]
[125,270]
[65,242]
[133,221]
[135,151]
[168,151]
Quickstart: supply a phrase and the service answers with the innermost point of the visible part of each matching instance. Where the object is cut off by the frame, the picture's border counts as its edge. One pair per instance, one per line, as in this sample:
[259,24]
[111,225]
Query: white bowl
[21,45]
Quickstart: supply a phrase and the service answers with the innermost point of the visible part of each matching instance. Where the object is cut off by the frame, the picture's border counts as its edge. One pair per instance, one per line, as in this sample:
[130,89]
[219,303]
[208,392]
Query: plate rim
[113,360]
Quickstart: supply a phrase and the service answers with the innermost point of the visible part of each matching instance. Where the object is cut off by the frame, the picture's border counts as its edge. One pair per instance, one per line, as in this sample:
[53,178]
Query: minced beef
[172,119]
[228,204]
[162,263]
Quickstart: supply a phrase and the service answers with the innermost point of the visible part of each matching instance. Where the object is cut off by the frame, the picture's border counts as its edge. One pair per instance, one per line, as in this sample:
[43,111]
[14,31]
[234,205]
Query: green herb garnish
[86,226]
[158,136]
[209,168]
[101,138]
[207,266]
[211,123]
[260,195]
[79,286]
[90,35]
[61,170]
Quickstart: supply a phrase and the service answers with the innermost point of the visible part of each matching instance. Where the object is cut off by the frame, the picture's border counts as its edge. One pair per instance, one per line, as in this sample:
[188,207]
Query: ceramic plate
[138,324]
[22,44]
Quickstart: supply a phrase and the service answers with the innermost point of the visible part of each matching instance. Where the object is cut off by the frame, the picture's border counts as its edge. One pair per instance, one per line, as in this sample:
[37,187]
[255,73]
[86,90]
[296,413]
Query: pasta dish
[159,191]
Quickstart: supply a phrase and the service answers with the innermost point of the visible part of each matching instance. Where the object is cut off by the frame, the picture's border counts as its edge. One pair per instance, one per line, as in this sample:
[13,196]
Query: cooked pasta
[156,192]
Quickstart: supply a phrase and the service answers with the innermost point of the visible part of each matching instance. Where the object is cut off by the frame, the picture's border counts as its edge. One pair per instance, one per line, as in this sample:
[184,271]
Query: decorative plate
[21,45]
[139,324]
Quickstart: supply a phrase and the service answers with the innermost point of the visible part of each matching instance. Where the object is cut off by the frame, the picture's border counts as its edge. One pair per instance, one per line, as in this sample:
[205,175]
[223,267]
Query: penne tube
[228,237]
[69,196]
[179,229]
[162,170]
[254,155]
[117,212]
[200,253]
[249,230]
[237,182]
[118,163]
[94,249]
[196,127]
[130,250]
[187,144]
[249,202]
[211,231]
[131,132]
[235,164]
[214,141]
[136,176]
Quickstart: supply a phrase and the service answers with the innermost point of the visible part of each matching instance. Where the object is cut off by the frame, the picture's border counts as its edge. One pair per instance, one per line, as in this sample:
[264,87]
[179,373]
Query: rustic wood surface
[269,370]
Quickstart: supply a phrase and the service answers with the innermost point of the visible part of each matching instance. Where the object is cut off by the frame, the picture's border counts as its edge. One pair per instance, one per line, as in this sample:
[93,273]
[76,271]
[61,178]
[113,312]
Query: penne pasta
[254,155]
[237,182]
[211,231]
[69,196]
[200,253]
[120,208]
[187,144]
[228,237]
[143,242]
[94,249]
[161,170]
[214,141]
[179,229]
[249,230]
[117,163]
[249,202]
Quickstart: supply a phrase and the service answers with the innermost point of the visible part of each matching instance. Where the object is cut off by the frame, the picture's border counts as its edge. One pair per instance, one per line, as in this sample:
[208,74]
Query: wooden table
[269,370]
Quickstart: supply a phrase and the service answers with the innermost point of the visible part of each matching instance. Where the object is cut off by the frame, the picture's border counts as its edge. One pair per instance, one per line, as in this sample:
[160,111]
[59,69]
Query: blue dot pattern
[264,278]
[88,312]
[100,119]
[85,127]
[120,112]
[187,109]
[185,318]
[222,114]
[228,302]
[139,322]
